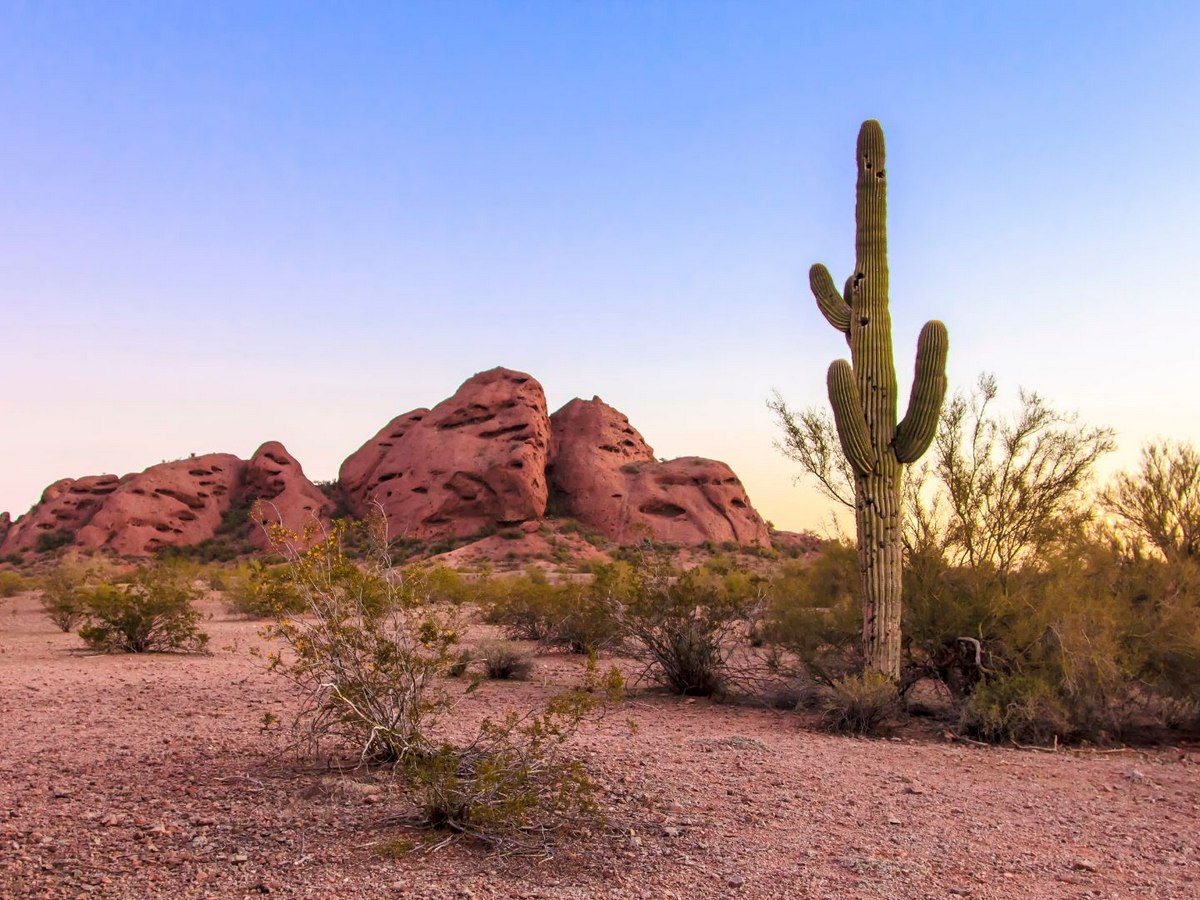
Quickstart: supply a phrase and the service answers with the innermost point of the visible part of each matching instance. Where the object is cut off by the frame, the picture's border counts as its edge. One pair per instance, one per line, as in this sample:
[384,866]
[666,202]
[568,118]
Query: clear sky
[223,223]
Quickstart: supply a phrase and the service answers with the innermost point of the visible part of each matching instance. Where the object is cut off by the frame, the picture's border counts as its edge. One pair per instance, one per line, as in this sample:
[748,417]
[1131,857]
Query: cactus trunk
[862,393]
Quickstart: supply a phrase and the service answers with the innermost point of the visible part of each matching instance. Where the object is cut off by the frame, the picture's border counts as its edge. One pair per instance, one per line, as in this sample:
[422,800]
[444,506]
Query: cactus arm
[915,432]
[829,301]
[848,416]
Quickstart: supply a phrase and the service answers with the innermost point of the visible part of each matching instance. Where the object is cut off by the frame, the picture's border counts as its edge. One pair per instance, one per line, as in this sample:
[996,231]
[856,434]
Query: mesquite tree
[862,393]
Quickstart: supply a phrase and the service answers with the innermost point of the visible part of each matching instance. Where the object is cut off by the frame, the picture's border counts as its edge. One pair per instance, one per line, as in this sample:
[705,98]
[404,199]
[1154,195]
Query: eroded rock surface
[64,508]
[171,504]
[474,461]
[602,472]
[276,481]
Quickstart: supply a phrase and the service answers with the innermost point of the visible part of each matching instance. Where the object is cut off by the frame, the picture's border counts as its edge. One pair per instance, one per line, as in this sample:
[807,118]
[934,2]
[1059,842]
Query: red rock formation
[798,542]
[65,507]
[475,460]
[171,504]
[274,478]
[603,473]
[5,525]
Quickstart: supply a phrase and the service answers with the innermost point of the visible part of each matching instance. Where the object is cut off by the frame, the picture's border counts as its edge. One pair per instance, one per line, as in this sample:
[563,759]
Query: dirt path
[149,777]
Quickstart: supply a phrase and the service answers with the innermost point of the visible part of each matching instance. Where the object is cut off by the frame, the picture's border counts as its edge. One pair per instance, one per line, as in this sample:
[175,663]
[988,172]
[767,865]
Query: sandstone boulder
[171,504]
[274,479]
[474,461]
[602,472]
[65,507]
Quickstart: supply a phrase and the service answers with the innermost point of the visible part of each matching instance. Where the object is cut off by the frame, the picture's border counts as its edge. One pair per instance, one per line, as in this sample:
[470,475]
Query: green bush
[12,583]
[813,612]
[514,782]
[49,541]
[681,622]
[570,615]
[1022,708]
[257,590]
[367,659]
[151,613]
[62,590]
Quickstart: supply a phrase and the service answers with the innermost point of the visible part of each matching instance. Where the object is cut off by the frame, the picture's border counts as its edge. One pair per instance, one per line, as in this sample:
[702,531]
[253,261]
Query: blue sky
[224,223]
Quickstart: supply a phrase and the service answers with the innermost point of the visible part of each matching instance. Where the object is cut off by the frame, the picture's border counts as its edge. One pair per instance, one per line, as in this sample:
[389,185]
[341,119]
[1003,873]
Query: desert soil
[139,777]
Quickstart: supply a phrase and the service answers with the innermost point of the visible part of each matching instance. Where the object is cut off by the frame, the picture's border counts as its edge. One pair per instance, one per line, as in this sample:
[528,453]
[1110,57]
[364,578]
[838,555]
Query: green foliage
[813,612]
[1159,504]
[151,613]
[681,622]
[1022,708]
[569,614]
[367,659]
[49,541]
[12,583]
[514,778]
[63,590]
[258,590]
[862,704]
[366,655]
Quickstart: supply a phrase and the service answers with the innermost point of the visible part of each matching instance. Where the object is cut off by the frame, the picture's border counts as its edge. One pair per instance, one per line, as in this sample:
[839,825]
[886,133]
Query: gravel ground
[140,777]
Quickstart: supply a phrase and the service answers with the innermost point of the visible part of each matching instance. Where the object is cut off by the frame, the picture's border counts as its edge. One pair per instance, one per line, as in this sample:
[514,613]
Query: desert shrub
[257,590]
[443,584]
[1022,708]
[49,541]
[524,606]
[570,615]
[366,660]
[514,779]
[12,583]
[1159,503]
[62,589]
[152,612]
[862,704]
[366,655]
[681,623]
[461,663]
[505,660]
[813,613]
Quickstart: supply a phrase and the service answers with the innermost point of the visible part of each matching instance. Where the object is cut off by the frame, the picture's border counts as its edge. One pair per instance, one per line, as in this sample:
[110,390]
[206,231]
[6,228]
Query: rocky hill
[490,457]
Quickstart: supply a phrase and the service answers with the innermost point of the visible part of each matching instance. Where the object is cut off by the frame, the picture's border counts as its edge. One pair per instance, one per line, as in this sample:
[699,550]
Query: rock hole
[663,508]
[420,490]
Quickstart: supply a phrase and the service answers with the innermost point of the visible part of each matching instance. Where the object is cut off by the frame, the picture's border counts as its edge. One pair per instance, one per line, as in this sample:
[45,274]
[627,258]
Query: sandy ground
[149,777]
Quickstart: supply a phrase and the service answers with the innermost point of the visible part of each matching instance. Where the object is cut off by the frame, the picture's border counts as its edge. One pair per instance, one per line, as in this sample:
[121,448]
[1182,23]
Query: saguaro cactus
[862,393]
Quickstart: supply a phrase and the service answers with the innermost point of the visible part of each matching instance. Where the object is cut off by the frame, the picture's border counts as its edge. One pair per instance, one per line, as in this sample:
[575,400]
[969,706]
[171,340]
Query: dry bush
[505,660]
[1159,503]
[515,779]
[151,612]
[368,659]
[863,705]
